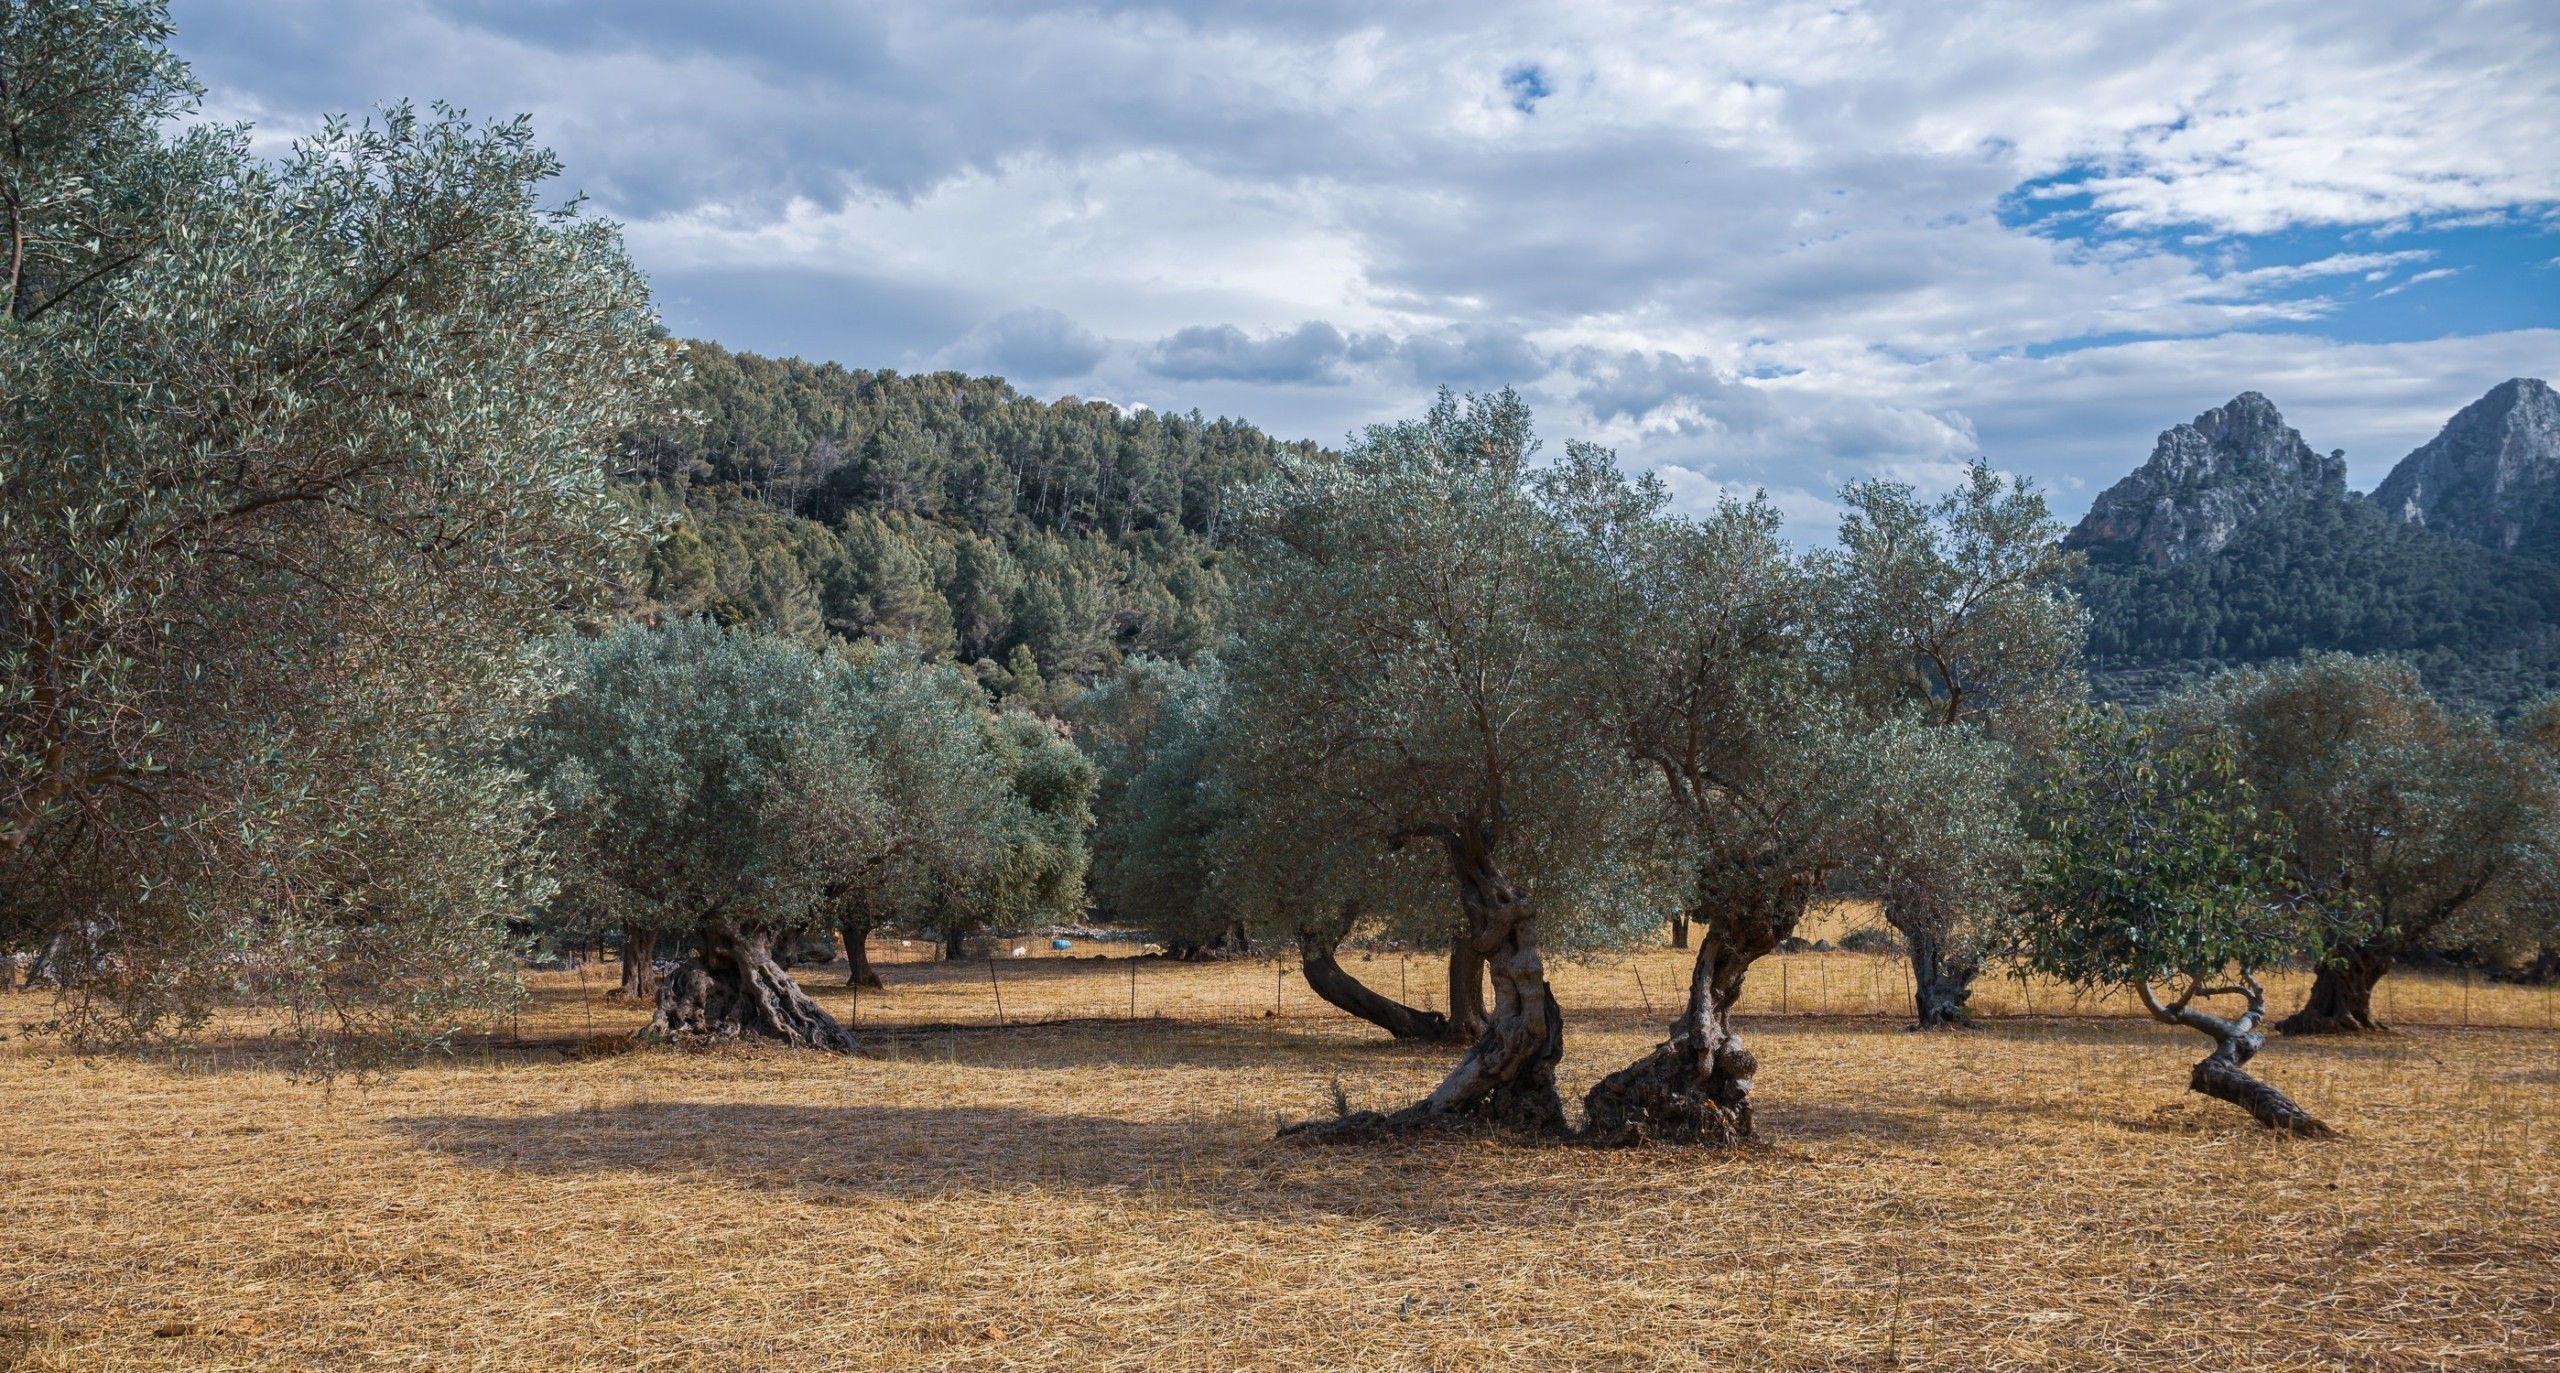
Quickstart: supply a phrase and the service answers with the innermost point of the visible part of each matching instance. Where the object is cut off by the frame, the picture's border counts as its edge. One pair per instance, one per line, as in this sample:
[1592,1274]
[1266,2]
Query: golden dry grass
[2036,1193]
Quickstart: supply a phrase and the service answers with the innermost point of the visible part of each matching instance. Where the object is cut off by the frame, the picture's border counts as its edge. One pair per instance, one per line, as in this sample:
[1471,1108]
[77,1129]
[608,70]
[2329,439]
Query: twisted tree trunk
[1317,941]
[2222,1074]
[857,954]
[1508,1079]
[735,990]
[2341,1000]
[1941,983]
[1695,1087]
[46,968]
[639,964]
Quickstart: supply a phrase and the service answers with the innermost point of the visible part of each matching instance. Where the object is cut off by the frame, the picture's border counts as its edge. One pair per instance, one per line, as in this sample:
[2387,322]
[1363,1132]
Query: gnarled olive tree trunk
[857,953]
[735,990]
[2341,999]
[639,964]
[2223,1075]
[1317,941]
[1695,1087]
[1941,982]
[1508,1078]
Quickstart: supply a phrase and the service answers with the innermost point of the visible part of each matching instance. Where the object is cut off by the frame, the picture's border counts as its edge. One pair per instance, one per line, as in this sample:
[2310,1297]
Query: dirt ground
[2038,1192]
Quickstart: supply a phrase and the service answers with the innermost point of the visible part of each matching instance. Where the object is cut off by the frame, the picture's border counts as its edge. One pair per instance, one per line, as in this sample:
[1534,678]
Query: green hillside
[2237,544]
[1043,539]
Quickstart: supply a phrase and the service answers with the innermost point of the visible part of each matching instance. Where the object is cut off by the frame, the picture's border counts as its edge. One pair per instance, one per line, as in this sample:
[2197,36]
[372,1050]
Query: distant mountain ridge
[2491,475]
[2237,542]
[2207,479]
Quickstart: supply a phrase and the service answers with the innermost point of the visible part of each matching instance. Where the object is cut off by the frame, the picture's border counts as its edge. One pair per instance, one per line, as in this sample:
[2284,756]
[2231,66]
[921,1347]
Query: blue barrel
[1062,945]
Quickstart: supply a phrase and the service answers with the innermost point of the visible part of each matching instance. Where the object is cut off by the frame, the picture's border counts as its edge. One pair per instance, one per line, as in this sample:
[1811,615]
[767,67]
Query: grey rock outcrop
[2205,480]
[2491,475]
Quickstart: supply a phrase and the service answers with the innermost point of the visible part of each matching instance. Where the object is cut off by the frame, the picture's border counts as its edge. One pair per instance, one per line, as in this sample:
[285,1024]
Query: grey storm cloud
[1637,386]
[1033,345]
[1312,353]
[1318,353]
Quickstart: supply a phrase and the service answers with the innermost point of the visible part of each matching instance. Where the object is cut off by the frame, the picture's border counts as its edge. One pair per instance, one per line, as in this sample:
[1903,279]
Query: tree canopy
[2403,815]
[294,456]
[2161,872]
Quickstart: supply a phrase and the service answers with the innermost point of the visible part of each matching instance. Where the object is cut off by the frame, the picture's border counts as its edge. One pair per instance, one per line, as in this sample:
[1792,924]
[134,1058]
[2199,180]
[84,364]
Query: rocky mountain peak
[2204,480]
[2492,475]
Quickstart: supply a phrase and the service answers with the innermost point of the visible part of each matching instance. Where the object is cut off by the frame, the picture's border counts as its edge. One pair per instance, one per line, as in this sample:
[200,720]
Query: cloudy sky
[1767,244]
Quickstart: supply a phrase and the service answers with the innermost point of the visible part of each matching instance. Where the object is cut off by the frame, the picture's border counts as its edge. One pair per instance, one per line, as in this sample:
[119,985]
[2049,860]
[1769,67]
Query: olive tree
[1154,732]
[2523,923]
[1040,846]
[1958,614]
[1205,858]
[675,761]
[899,799]
[2404,817]
[1697,637]
[294,457]
[1403,679]
[2158,872]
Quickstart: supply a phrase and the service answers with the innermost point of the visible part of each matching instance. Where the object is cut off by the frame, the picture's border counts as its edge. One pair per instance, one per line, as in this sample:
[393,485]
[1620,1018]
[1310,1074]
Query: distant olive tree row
[1499,706]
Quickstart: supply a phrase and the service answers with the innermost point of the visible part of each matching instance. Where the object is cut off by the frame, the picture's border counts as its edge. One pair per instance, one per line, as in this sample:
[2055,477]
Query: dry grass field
[1104,1192]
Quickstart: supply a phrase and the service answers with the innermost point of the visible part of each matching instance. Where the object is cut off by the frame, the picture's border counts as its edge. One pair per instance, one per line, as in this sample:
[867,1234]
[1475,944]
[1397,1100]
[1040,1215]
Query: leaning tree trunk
[2223,1075]
[735,990]
[858,971]
[1327,979]
[1695,1087]
[1467,1015]
[2342,994]
[639,964]
[1508,1078]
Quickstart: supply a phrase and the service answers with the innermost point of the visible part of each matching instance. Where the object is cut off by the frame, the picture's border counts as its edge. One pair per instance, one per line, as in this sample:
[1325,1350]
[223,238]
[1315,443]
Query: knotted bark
[2222,1074]
[2341,999]
[1695,1087]
[1507,1081]
[734,990]
[1326,977]
[1467,1014]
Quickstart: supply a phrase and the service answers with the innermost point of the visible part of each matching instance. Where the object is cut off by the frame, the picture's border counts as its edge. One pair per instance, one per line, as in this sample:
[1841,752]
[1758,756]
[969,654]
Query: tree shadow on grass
[1147,1044]
[840,1156]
